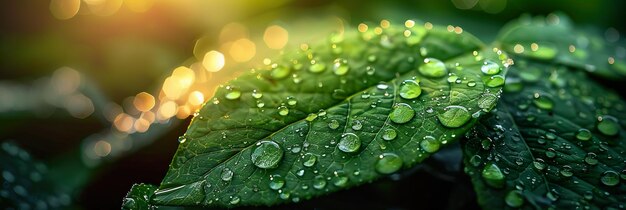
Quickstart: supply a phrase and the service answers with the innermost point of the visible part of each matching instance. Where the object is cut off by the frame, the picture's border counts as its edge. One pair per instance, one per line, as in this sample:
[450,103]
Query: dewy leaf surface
[554,38]
[556,140]
[333,115]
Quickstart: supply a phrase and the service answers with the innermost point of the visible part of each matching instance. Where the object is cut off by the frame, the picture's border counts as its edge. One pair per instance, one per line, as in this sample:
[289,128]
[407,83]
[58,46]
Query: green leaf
[333,115]
[556,141]
[554,38]
[138,198]
[26,182]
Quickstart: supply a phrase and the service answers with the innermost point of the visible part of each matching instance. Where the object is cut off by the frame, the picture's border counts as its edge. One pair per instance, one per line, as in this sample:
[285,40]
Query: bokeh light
[213,61]
[275,37]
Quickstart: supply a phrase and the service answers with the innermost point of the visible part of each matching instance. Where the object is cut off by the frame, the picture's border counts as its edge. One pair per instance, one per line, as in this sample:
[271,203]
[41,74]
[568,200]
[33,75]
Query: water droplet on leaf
[402,113]
[227,174]
[389,134]
[317,68]
[309,160]
[388,163]
[433,68]
[608,126]
[276,182]
[267,154]
[283,110]
[610,178]
[349,143]
[493,176]
[490,68]
[430,144]
[583,134]
[454,116]
[410,89]
[514,198]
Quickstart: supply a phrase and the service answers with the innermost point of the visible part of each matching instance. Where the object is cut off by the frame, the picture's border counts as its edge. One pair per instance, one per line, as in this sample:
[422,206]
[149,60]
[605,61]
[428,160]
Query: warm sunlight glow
[64,9]
[275,37]
[242,50]
[144,101]
[213,61]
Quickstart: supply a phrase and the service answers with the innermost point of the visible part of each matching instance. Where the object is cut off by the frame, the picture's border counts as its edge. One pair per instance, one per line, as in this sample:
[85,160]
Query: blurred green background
[99,90]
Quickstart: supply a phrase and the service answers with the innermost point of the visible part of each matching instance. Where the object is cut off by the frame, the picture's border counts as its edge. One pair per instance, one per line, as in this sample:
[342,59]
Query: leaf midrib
[481,46]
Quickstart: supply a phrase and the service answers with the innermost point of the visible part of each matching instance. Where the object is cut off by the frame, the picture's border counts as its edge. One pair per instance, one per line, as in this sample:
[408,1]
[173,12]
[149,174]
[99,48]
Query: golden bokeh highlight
[64,9]
[196,98]
[167,110]
[213,61]
[141,125]
[409,23]
[275,37]
[104,7]
[183,112]
[385,24]
[138,5]
[124,122]
[233,31]
[242,50]
[185,76]
[144,101]
[362,27]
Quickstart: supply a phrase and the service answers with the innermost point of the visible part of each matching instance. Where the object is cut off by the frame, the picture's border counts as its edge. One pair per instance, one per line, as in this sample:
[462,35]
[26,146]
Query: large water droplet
[490,68]
[291,101]
[539,164]
[267,154]
[356,125]
[280,72]
[232,93]
[493,176]
[227,174]
[234,200]
[476,160]
[317,68]
[340,68]
[543,102]
[410,89]
[610,178]
[591,158]
[583,134]
[283,110]
[333,124]
[401,113]
[340,179]
[566,171]
[309,159]
[256,94]
[319,182]
[430,144]
[311,117]
[182,139]
[129,203]
[276,182]
[349,143]
[388,163]
[433,68]
[454,116]
[608,126]
[495,81]
[514,198]
[389,134]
